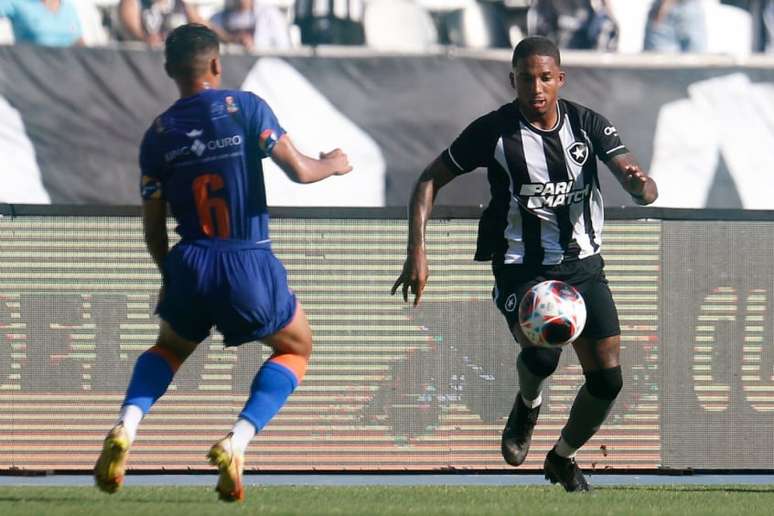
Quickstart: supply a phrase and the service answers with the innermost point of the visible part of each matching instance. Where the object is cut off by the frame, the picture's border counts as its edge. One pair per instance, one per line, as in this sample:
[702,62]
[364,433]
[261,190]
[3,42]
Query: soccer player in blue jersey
[202,158]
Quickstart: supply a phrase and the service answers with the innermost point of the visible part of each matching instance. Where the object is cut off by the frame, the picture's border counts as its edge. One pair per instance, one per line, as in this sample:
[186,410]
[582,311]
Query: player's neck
[194,87]
[543,121]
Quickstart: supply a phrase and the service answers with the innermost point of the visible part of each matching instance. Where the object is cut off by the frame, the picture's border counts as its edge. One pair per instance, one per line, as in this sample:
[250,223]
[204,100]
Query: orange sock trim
[167,355]
[295,363]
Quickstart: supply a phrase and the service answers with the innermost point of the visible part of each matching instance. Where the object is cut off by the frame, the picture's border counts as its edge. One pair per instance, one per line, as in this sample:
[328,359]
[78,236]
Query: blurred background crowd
[629,26]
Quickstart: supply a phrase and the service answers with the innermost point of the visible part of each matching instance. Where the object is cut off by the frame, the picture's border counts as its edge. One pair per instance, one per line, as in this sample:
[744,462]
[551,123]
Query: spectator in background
[574,24]
[330,22]
[252,24]
[676,26]
[52,23]
[151,20]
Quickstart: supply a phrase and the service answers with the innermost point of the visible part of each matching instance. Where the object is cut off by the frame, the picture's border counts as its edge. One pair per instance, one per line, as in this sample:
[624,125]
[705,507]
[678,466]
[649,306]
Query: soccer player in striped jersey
[544,222]
[202,157]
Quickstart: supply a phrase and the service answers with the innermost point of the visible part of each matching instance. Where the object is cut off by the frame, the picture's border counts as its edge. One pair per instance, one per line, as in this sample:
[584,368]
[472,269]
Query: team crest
[578,153]
[217,110]
[510,303]
[231,106]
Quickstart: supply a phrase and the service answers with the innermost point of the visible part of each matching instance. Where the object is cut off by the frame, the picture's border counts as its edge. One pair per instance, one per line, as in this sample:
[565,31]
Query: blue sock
[268,393]
[153,372]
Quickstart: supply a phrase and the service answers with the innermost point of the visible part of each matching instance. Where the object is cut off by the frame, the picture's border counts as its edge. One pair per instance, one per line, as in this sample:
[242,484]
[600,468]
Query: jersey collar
[554,129]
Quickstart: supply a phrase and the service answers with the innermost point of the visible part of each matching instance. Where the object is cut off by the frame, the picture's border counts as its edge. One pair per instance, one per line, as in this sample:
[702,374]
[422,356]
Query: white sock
[565,450]
[130,416]
[241,435]
[533,403]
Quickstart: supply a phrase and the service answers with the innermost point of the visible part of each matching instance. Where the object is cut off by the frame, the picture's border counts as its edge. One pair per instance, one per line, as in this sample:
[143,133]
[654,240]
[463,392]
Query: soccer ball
[552,314]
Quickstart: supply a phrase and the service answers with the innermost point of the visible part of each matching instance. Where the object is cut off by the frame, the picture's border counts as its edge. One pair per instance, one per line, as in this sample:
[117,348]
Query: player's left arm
[633,178]
[154,225]
[303,169]
[276,144]
[610,149]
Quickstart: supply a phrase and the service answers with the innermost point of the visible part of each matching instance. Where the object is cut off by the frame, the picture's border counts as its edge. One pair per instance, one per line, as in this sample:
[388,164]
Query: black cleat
[517,433]
[565,472]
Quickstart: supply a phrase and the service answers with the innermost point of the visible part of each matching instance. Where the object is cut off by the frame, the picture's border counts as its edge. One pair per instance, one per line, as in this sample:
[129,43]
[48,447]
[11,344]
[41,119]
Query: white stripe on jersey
[537,168]
[515,252]
[616,148]
[597,215]
[454,160]
[597,205]
[576,209]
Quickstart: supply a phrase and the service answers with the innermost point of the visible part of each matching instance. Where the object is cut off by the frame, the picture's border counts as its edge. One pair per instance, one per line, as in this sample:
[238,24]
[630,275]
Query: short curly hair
[536,46]
[188,50]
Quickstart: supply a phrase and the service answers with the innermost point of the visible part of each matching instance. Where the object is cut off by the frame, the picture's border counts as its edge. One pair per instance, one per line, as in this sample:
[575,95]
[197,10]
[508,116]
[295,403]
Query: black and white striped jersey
[546,202]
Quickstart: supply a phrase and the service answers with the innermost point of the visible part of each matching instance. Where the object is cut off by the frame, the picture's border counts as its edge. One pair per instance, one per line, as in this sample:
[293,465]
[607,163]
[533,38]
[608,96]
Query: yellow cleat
[111,465]
[230,466]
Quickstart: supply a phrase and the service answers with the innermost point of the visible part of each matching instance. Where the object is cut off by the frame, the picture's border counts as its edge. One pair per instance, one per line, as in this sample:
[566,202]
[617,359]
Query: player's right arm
[470,150]
[154,202]
[154,226]
[415,270]
[302,169]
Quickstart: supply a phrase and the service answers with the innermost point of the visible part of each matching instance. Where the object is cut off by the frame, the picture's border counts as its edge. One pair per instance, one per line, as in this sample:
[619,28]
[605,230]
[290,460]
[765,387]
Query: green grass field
[194,501]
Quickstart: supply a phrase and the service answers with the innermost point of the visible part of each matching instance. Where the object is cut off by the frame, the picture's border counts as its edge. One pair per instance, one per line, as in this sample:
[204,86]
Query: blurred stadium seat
[632,16]
[6,32]
[478,25]
[94,32]
[398,25]
[729,29]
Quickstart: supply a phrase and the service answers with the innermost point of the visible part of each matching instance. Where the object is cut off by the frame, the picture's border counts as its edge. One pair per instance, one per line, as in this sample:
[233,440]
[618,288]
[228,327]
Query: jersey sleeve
[264,124]
[473,148]
[604,137]
[151,168]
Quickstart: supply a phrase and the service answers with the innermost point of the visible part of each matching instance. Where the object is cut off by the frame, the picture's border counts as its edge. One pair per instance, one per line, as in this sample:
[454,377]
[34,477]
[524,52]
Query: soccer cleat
[111,464]
[517,433]
[229,464]
[565,472]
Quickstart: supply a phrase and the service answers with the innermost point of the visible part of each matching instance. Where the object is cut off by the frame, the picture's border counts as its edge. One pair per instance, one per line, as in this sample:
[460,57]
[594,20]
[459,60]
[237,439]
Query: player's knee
[296,364]
[542,362]
[605,384]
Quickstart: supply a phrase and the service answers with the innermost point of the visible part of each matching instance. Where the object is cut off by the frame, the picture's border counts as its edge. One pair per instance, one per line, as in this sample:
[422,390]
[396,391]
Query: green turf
[402,501]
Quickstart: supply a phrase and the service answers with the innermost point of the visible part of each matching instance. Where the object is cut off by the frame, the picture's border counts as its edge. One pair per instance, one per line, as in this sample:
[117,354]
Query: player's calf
[534,365]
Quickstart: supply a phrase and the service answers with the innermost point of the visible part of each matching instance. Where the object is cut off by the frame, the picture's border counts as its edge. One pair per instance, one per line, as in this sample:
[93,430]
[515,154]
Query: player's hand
[634,180]
[338,160]
[414,276]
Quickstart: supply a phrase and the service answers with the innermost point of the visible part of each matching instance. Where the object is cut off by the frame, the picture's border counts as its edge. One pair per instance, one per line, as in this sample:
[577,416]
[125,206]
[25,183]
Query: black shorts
[586,275]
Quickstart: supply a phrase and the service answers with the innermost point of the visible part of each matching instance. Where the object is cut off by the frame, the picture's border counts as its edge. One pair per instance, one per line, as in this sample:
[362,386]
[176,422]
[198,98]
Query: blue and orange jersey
[203,156]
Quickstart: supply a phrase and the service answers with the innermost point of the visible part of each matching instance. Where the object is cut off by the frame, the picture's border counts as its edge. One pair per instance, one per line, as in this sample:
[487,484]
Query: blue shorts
[241,288]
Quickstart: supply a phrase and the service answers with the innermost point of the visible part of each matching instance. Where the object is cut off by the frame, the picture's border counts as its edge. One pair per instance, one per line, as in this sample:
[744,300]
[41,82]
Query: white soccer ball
[552,314]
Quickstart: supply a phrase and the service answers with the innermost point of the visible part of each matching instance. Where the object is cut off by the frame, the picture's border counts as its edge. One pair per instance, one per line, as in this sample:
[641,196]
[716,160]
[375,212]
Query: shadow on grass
[46,499]
[690,489]
[89,499]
